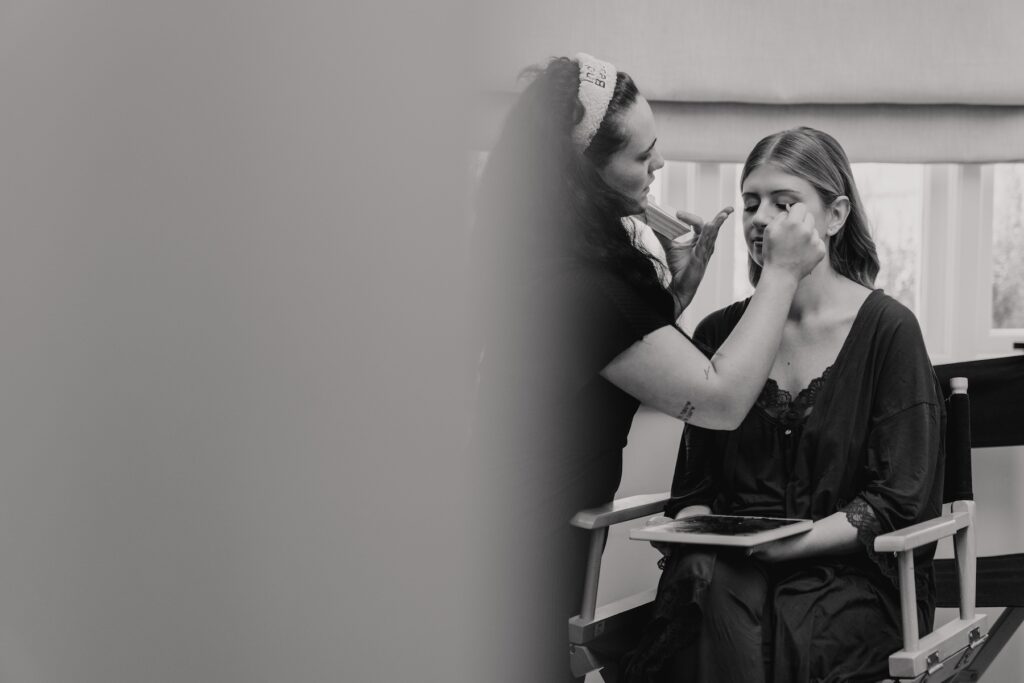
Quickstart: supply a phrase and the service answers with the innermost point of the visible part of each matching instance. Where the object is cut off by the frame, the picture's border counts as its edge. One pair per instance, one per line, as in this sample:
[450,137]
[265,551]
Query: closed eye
[781,206]
[648,152]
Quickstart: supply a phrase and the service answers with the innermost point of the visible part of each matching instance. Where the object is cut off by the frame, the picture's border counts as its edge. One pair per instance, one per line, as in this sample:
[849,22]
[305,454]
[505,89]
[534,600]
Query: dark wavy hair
[819,159]
[542,203]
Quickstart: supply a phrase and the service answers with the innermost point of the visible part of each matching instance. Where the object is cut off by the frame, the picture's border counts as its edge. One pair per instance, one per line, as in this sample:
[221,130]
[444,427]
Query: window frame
[997,341]
[955,315]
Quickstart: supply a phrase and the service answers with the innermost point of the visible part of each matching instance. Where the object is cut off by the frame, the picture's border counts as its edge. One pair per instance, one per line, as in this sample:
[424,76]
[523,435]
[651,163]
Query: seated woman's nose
[765,214]
[659,161]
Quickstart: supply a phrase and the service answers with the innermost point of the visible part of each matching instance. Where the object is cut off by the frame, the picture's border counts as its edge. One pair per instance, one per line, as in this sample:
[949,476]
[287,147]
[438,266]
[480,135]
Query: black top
[550,433]
[543,363]
[865,437]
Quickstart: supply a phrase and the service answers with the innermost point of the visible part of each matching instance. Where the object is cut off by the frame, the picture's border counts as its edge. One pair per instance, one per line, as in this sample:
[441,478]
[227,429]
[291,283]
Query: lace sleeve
[862,517]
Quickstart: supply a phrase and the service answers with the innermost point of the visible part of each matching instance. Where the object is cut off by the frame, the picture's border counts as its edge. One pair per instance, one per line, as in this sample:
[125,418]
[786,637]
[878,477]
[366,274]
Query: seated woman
[847,432]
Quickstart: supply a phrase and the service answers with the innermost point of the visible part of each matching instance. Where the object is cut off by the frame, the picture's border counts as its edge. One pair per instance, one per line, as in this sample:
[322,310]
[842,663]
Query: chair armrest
[922,534]
[620,510]
[632,612]
[945,645]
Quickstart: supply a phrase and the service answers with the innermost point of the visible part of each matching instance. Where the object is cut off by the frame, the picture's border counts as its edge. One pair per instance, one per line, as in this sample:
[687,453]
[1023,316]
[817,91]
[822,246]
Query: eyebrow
[772,193]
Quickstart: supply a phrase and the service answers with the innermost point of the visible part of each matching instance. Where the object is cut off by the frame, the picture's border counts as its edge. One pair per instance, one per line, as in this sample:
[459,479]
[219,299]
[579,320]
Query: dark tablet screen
[728,525]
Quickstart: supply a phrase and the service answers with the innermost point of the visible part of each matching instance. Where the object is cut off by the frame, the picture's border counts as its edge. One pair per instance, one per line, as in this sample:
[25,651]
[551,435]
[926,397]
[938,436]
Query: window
[991,251]
[1008,246]
[893,197]
[950,240]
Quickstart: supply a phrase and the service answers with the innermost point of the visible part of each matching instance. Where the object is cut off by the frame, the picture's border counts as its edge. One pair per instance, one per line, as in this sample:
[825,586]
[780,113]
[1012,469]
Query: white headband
[597,83]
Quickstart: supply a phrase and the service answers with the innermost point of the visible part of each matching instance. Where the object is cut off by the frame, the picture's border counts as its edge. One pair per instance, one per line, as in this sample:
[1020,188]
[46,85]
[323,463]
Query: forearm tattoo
[687,412]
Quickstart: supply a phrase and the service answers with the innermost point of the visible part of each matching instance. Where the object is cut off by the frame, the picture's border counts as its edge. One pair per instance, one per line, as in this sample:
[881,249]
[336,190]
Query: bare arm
[833,535]
[666,371]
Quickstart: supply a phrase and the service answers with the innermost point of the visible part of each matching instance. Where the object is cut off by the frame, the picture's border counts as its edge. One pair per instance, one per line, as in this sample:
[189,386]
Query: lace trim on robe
[793,411]
[781,404]
[862,517]
[675,624]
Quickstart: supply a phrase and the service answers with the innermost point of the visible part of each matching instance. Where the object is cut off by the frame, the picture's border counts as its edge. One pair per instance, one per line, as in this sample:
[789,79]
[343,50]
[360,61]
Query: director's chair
[996,389]
[959,650]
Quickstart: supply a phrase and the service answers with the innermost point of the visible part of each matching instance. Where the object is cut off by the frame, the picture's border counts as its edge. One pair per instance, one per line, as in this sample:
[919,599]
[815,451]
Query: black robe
[865,438]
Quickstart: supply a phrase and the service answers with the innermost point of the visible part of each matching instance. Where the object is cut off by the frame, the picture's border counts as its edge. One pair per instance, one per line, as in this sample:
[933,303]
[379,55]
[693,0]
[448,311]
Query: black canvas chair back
[958,483]
[992,416]
[996,388]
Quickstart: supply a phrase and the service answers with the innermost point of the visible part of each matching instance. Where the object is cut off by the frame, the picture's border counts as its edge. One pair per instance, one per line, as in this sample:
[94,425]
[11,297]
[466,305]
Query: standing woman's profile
[578,328]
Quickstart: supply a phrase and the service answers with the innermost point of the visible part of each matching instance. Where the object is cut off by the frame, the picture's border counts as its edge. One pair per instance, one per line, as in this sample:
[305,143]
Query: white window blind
[915,81]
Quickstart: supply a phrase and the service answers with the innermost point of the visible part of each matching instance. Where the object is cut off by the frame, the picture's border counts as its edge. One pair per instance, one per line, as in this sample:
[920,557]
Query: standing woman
[577,330]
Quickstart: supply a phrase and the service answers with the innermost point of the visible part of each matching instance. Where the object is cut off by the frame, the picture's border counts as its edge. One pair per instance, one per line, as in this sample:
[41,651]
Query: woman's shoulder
[727,315]
[598,288]
[890,308]
[892,317]
[589,281]
[897,355]
[716,326]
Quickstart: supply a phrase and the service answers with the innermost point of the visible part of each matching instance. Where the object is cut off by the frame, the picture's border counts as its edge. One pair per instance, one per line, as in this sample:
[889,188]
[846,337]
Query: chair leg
[598,538]
[999,635]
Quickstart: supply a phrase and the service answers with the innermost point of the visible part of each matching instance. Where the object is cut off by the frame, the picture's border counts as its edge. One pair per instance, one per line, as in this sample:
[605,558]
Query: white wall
[227,412]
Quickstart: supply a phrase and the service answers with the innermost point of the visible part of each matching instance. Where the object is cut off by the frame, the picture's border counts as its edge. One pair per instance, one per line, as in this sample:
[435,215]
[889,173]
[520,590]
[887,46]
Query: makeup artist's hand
[688,255]
[791,243]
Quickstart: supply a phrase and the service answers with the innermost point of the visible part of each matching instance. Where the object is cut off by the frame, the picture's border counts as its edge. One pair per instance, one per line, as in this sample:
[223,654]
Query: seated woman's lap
[832,623]
[815,623]
[729,646]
